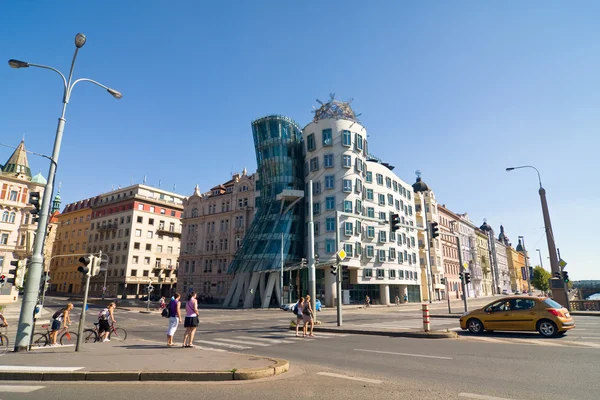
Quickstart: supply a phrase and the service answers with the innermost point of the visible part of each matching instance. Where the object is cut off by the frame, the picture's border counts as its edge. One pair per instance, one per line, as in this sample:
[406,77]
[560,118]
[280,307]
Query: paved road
[501,365]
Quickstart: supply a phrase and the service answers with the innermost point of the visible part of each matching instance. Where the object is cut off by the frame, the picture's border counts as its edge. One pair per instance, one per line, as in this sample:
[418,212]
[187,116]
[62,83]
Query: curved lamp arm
[116,94]
[55,70]
[528,166]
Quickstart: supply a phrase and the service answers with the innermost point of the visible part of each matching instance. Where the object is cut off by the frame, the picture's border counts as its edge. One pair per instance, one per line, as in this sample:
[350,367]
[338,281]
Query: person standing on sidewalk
[307,316]
[174,318]
[191,320]
[298,311]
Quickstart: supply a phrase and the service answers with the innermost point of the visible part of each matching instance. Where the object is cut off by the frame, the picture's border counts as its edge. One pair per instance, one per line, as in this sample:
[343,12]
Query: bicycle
[4,340]
[93,335]
[43,339]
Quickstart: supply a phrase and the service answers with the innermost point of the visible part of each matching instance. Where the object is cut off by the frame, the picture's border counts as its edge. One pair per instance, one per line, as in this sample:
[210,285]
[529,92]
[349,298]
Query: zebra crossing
[410,324]
[266,339]
[533,341]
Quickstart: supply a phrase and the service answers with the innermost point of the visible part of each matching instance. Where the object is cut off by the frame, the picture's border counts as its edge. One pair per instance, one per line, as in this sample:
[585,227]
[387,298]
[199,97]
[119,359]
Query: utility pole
[312,284]
[281,275]
[447,297]
[338,277]
[462,269]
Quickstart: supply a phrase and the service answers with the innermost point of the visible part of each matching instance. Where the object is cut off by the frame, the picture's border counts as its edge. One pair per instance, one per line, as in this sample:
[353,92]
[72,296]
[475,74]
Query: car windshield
[552,303]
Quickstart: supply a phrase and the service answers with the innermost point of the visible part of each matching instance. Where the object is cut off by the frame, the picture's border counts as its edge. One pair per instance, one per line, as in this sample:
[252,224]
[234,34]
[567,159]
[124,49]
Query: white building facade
[468,242]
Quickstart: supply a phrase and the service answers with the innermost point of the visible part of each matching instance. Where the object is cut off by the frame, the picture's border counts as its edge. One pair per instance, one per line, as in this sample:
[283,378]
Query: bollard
[426,321]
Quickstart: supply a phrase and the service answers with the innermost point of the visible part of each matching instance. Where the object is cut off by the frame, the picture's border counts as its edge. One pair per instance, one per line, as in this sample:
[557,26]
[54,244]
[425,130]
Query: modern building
[448,224]
[214,226]
[17,228]
[138,230]
[432,269]
[468,242]
[71,242]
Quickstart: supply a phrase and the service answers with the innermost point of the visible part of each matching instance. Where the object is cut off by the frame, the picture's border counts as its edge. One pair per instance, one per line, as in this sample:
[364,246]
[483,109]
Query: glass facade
[280,160]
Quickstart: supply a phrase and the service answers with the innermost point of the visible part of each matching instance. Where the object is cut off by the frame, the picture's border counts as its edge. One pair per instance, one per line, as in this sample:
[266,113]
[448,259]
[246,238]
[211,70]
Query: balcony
[107,227]
[164,230]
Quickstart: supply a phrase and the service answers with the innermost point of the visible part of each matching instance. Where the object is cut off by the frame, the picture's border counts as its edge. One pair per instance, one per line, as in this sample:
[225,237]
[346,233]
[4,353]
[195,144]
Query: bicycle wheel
[3,345]
[119,334]
[39,340]
[90,336]
[68,338]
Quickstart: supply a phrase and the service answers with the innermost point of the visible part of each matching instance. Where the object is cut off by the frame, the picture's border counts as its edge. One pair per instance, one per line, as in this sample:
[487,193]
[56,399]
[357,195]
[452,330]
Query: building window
[370,251]
[359,165]
[368,273]
[379,179]
[348,249]
[148,247]
[348,206]
[316,208]
[393,273]
[359,142]
[382,236]
[358,206]
[392,253]
[149,234]
[327,137]
[13,195]
[370,212]
[346,138]
[138,233]
[147,260]
[328,161]
[381,257]
[330,224]
[358,186]
[317,227]
[330,203]
[310,142]
[369,194]
[382,199]
[388,182]
[316,187]
[330,246]
[369,177]
[390,199]
[348,228]
[346,161]
[347,185]
[370,231]
[358,227]
[4,238]
[329,182]
[314,163]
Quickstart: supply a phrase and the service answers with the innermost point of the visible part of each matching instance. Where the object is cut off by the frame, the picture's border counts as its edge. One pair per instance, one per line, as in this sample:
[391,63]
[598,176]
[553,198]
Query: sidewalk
[138,360]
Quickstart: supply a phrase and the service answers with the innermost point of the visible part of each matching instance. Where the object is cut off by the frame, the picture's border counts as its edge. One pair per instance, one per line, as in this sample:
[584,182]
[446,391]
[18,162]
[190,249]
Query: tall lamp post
[24,329]
[554,267]
[540,253]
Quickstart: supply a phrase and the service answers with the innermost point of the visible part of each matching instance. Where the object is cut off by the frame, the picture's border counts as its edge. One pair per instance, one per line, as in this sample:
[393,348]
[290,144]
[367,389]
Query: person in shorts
[307,317]
[298,311]
[57,320]
[191,320]
[105,318]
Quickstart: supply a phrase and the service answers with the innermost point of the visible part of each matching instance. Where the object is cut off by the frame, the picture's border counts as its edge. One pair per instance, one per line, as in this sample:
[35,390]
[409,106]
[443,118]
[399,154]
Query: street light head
[510,168]
[80,40]
[116,94]
[18,64]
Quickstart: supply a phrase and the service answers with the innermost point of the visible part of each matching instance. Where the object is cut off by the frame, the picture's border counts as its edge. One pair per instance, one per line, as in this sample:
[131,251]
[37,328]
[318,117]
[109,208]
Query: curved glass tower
[280,166]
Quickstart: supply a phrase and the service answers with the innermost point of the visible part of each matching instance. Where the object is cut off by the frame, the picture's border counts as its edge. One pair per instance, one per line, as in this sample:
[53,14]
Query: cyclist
[64,314]
[4,322]
[104,317]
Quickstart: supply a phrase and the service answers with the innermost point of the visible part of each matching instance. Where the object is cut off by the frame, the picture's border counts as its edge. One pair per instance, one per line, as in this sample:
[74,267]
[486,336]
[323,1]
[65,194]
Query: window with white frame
[382,215]
[390,199]
[379,179]
[346,161]
[358,206]
[381,255]
[316,187]
[381,273]
[381,199]
[370,212]
[316,208]
[348,206]
[368,273]
[392,273]
[348,249]
[382,236]
[314,164]
[330,224]
[359,165]
[370,251]
[348,185]
[358,248]
[327,137]
[359,142]
[358,185]
[346,138]
[358,227]
[329,182]
[348,228]
[392,253]
[328,161]
[369,194]
[370,232]
[369,177]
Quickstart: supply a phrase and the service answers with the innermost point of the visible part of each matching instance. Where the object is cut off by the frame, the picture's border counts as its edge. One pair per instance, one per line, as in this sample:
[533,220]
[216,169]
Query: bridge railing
[585,305]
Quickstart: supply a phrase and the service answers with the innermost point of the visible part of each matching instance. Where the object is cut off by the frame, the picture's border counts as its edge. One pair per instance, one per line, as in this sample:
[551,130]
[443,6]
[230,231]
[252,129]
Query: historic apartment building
[138,229]
[17,229]
[448,224]
[468,241]
[214,226]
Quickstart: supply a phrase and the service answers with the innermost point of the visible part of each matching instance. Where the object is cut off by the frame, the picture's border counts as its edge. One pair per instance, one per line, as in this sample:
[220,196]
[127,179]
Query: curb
[279,367]
[455,316]
[417,335]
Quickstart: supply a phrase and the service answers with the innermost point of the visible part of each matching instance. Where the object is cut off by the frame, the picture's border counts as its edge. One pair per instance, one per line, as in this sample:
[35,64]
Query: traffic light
[531,273]
[334,270]
[303,263]
[565,276]
[87,262]
[443,281]
[17,264]
[467,277]
[96,261]
[395,222]
[2,278]
[557,275]
[34,200]
[461,276]
[435,231]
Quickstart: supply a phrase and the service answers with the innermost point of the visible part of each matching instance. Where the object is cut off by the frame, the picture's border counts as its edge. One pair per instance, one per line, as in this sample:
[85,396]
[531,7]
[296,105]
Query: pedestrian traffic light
[87,262]
[565,276]
[467,277]
[435,231]
[96,261]
[2,278]
[461,276]
[34,200]
[443,281]
[17,264]
[395,222]
[334,270]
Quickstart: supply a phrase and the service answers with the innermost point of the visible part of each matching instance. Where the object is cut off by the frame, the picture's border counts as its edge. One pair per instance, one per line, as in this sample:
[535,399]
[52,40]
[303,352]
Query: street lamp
[24,330]
[548,225]
[540,253]
[522,240]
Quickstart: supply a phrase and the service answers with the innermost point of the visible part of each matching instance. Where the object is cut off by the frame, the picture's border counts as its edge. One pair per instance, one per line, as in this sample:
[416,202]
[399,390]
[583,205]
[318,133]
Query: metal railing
[585,305]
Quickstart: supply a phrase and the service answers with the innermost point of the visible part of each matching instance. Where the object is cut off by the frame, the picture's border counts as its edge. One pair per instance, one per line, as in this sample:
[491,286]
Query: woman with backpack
[298,312]
[307,315]
[174,318]
[57,319]
[104,317]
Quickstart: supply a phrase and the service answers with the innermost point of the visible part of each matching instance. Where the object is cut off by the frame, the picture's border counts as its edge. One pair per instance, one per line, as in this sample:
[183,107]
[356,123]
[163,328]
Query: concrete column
[384,294]
[262,285]
[330,289]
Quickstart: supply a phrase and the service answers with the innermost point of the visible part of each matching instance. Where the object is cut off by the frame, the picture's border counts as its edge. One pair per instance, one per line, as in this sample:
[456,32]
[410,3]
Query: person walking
[307,317]
[397,300]
[191,320]
[174,318]
[298,312]
[57,319]
[106,317]
[367,301]
[405,298]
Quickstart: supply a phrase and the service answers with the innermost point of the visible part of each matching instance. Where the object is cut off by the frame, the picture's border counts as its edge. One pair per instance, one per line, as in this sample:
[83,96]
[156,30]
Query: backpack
[295,309]
[166,312]
[103,314]
[57,314]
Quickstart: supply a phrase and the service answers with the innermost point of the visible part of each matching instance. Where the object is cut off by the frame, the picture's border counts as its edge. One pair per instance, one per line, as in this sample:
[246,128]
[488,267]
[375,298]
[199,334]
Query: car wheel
[475,326]
[547,328]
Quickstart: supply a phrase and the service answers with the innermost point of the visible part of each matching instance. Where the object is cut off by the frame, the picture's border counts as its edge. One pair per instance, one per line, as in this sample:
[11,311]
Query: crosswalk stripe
[232,346]
[5,368]
[19,388]
[267,339]
[211,349]
[243,342]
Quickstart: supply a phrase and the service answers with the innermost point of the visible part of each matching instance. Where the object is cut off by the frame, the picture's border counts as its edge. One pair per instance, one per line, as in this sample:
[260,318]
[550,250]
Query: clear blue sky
[459,90]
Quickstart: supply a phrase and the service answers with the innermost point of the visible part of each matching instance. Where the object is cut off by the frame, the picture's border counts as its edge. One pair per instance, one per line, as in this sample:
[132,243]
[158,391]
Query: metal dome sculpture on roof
[419,186]
[335,109]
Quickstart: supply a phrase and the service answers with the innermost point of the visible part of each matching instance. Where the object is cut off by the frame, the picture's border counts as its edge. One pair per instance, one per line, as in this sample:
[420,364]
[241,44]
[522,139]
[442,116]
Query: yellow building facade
[516,261]
[483,256]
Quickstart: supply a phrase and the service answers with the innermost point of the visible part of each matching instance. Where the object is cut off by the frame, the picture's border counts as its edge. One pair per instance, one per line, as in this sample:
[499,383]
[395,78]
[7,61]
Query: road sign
[341,254]
[466,265]
[562,263]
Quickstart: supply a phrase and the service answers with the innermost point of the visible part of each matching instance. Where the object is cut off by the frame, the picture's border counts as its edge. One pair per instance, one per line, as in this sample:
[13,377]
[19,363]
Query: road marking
[481,396]
[232,346]
[242,342]
[48,347]
[19,389]
[352,378]
[211,349]
[326,334]
[5,368]
[404,354]
[203,321]
[266,339]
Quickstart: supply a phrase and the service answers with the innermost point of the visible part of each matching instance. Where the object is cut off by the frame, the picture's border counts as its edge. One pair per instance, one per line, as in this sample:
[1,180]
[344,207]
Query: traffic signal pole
[338,276]
[462,270]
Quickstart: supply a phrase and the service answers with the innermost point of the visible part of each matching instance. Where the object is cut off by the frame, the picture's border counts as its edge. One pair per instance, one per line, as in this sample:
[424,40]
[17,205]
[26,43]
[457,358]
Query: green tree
[540,279]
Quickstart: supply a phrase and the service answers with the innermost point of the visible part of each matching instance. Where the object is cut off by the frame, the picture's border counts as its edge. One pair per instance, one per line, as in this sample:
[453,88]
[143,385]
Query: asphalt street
[499,365]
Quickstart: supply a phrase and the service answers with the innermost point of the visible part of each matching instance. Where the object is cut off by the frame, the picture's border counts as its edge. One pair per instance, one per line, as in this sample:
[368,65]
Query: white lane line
[57,346]
[590,337]
[19,389]
[265,339]
[352,378]
[243,342]
[231,346]
[481,396]
[404,354]
[5,368]
[323,335]
[211,349]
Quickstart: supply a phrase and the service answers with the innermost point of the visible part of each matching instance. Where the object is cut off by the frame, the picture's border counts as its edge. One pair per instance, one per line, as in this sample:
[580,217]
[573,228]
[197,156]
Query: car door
[524,314]
[497,316]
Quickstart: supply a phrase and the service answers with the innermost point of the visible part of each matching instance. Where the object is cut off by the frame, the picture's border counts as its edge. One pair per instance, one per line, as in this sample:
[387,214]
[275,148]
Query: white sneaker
[106,340]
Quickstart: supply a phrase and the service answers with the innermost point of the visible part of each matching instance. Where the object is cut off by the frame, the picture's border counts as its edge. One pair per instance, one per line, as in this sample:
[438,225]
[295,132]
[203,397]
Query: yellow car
[520,313]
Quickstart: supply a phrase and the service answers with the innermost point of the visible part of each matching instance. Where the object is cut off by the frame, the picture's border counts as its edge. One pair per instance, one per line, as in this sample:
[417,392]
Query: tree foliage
[540,279]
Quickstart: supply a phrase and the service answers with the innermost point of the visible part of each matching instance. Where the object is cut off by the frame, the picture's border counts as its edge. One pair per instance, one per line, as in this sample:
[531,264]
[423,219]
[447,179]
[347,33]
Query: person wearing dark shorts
[105,317]
[191,320]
